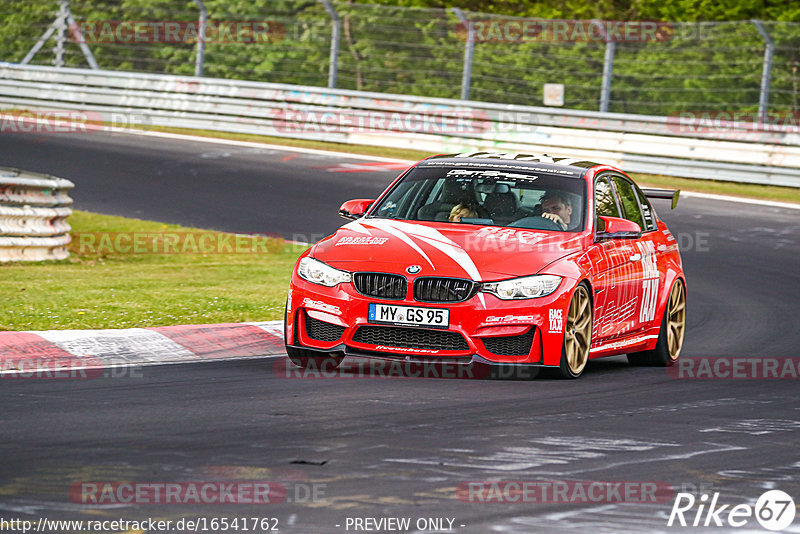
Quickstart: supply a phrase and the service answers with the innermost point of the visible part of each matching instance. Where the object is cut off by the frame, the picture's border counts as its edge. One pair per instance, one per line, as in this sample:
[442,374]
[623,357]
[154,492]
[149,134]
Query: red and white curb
[53,349]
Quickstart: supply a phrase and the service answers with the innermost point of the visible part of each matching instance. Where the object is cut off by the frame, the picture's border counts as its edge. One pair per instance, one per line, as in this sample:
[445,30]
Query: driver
[557,207]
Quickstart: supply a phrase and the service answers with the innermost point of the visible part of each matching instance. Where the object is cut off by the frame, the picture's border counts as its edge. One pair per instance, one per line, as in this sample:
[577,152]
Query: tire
[670,337]
[577,334]
[313,359]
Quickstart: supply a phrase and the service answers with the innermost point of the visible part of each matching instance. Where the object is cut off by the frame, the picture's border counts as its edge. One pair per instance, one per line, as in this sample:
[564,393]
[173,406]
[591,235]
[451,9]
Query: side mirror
[616,228]
[355,209]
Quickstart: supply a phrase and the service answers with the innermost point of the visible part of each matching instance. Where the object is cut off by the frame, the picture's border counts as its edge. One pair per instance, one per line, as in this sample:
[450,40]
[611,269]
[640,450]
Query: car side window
[604,202]
[436,190]
[647,211]
[629,201]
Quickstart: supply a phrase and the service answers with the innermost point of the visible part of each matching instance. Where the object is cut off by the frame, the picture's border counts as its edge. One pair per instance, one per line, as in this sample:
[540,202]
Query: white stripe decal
[458,255]
[400,235]
[436,239]
[357,227]
[620,344]
[422,231]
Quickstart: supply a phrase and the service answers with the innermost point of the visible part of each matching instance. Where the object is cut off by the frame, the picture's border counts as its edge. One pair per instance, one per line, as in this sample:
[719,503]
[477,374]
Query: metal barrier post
[469,50]
[60,24]
[201,38]
[61,29]
[87,52]
[766,72]
[608,67]
[336,30]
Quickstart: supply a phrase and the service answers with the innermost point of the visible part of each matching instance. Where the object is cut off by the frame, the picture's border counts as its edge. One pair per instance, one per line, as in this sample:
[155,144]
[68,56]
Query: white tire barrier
[33,216]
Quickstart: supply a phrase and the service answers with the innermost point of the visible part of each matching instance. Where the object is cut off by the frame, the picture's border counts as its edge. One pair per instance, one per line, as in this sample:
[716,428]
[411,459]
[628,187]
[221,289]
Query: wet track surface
[401,447]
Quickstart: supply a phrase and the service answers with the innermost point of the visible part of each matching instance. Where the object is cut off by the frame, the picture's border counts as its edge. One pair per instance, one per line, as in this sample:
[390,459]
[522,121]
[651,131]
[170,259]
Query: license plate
[409,315]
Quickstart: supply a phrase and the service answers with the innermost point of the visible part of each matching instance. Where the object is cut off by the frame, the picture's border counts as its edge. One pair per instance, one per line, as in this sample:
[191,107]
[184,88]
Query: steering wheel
[537,222]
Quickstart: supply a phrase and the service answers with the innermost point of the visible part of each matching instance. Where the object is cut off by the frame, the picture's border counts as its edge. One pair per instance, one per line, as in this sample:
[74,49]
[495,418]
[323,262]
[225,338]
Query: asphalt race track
[220,187]
[401,447]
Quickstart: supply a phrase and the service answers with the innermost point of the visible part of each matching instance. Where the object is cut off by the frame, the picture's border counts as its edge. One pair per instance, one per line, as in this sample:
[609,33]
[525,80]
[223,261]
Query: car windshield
[488,197]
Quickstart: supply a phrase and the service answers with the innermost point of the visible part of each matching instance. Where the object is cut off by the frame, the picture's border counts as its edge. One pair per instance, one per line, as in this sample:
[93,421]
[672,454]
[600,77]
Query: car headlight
[528,287]
[317,272]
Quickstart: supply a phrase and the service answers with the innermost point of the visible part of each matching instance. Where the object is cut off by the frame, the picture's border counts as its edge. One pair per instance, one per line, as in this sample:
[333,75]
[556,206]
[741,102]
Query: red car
[503,259]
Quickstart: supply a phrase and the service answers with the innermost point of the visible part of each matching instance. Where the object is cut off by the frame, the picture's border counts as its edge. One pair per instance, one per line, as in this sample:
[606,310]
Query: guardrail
[33,216]
[677,146]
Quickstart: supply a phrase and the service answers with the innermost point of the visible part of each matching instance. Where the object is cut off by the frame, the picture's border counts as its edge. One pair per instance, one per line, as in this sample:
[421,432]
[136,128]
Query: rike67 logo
[774,510]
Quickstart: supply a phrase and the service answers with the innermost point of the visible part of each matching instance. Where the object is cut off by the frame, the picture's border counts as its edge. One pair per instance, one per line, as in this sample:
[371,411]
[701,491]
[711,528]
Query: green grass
[115,290]
[764,192]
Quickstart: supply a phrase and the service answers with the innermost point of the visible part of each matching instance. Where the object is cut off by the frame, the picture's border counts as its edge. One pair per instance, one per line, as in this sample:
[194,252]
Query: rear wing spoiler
[668,194]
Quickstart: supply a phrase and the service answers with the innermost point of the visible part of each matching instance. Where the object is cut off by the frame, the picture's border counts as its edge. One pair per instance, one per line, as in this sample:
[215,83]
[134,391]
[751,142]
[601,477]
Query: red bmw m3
[502,259]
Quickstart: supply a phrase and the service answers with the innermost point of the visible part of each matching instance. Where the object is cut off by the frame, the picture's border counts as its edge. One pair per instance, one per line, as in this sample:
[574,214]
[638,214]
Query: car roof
[570,167]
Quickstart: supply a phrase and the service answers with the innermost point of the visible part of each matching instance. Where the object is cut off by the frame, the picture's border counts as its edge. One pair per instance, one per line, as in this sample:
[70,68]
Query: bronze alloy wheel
[670,337]
[577,334]
[676,320]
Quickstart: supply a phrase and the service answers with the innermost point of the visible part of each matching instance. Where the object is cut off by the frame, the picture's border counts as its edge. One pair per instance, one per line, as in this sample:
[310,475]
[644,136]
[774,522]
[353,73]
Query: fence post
[469,51]
[61,31]
[62,23]
[87,52]
[336,31]
[39,44]
[608,66]
[766,72]
[201,38]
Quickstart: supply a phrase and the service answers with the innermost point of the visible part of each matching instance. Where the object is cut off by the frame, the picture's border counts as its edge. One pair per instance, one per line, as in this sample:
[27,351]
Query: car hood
[443,249]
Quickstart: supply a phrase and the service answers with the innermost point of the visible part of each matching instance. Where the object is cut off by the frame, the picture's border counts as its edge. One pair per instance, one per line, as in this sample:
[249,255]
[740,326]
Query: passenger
[557,207]
[462,210]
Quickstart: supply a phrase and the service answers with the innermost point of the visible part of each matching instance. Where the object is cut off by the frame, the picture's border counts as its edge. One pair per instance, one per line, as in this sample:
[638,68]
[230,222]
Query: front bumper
[482,329]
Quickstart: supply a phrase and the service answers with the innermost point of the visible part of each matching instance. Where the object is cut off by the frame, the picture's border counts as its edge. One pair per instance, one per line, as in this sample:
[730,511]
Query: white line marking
[558,516]
[771,203]
[665,458]
[151,363]
[271,327]
[364,157]
[254,144]
[333,153]
[127,344]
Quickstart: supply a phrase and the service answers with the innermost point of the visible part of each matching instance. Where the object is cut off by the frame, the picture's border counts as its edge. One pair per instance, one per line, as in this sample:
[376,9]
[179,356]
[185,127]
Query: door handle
[636,257]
